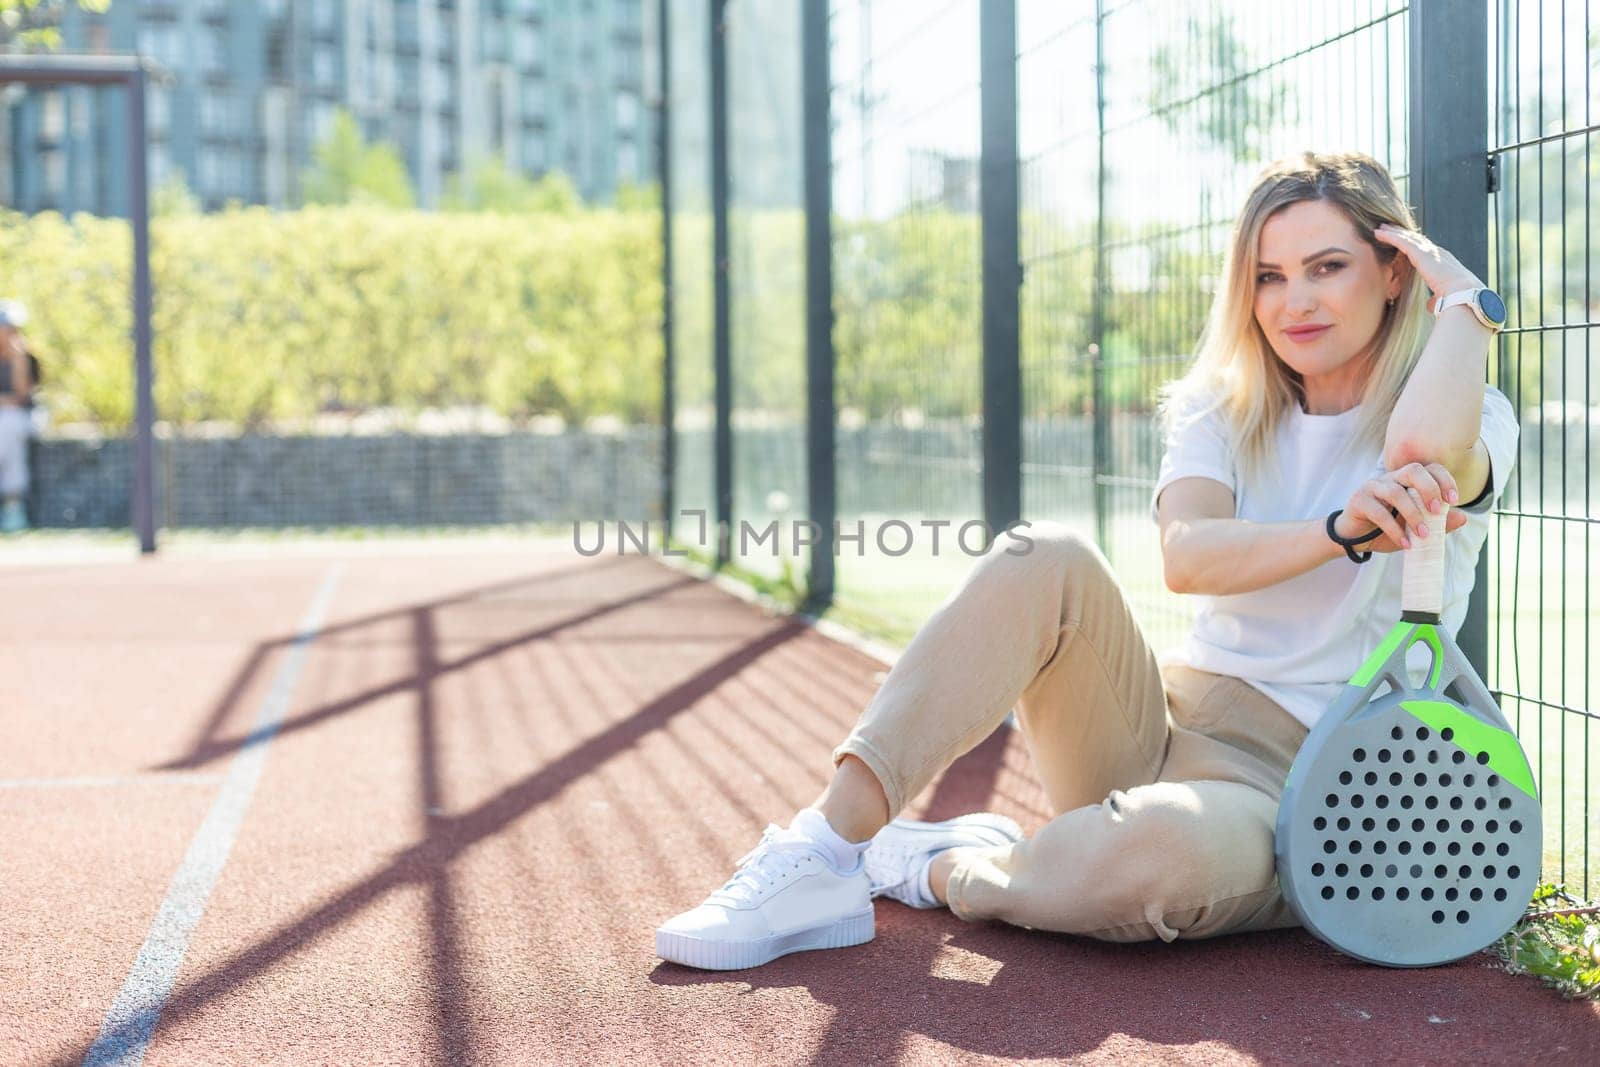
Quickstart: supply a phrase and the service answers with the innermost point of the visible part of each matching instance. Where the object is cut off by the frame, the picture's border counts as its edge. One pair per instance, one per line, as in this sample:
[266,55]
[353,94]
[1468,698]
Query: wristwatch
[1485,305]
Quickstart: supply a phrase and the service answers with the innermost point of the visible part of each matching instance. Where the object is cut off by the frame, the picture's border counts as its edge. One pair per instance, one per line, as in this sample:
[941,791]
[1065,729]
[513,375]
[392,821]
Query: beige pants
[1165,784]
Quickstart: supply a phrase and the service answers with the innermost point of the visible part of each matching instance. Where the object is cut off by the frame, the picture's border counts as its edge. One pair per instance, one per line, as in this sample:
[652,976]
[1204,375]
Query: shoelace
[763,867]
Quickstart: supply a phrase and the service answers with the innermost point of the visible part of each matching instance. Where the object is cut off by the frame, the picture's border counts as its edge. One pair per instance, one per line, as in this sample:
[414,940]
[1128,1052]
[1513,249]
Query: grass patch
[1558,942]
[787,588]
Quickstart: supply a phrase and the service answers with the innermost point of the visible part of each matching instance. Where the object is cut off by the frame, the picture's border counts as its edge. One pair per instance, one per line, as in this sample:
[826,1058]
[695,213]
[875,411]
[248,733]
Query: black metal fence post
[1450,178]
[821,449]
[999,193]
[664,161]
[722,321]
[1101,442]
[144,511]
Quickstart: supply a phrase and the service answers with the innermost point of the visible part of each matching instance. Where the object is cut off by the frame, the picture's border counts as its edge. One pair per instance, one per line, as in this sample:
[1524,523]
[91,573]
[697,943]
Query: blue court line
[131,1021]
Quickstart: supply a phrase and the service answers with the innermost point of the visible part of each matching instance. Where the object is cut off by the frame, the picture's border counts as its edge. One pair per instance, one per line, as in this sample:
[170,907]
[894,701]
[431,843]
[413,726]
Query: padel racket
[1409,831]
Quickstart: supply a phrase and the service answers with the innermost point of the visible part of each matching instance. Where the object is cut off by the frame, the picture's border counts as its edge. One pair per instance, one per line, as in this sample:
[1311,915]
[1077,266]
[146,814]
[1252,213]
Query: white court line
[129,1024]
[93,780]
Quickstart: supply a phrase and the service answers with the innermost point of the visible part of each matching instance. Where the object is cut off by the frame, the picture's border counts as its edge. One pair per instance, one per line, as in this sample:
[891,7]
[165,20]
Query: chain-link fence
[907,295]
[766,216]
[1135,131]
[327,365]
[1545,103]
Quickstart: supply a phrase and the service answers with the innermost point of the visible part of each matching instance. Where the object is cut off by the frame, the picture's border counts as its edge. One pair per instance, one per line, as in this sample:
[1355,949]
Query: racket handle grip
[1422,579]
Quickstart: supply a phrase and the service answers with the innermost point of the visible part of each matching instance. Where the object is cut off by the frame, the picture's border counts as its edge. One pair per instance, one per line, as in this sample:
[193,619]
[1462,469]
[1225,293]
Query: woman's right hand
[1403,504]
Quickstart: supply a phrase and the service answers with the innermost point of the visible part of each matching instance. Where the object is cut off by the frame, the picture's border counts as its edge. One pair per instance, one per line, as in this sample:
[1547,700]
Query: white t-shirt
[1299,641]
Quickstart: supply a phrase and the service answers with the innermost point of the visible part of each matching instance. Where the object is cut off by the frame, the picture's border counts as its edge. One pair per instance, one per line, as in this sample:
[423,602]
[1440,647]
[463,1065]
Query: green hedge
[262,315]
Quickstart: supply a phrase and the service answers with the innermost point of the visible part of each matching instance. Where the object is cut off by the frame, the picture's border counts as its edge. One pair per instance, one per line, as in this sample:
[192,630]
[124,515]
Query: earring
[1391,302]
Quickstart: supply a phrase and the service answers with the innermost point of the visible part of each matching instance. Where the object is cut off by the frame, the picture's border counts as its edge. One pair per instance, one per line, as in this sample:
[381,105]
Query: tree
[489,185]
[632,196]
[1246,103]
[32,23]
[348,170]
[173,197]
[555,194]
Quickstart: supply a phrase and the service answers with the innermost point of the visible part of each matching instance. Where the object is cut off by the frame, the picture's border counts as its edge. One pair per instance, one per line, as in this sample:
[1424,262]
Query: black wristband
[1349,543]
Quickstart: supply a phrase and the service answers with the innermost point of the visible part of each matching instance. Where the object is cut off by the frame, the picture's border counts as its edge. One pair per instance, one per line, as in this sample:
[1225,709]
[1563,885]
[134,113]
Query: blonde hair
[1235,369]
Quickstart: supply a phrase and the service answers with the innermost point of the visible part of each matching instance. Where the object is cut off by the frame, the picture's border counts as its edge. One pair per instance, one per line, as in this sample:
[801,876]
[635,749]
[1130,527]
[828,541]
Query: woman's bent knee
[1191,858]
[1049,547]
[1167,860]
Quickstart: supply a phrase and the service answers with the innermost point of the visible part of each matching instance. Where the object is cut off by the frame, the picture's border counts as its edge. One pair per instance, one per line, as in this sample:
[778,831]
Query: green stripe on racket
[1409,831]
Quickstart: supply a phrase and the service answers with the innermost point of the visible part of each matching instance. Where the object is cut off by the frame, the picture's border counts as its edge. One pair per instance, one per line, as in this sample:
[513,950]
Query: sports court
[404,803]
[325,328]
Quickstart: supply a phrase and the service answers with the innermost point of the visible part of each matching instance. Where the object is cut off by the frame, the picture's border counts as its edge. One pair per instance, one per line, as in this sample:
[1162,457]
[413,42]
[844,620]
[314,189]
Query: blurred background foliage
[525,302]
[34,25]
[263,315]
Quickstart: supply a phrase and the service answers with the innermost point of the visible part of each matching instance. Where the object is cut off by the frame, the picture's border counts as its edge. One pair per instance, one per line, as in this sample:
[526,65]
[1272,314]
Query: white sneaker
[901,852]
[785,897]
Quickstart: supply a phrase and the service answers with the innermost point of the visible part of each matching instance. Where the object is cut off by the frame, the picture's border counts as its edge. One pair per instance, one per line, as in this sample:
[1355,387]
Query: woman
[1323,386]
[16,419]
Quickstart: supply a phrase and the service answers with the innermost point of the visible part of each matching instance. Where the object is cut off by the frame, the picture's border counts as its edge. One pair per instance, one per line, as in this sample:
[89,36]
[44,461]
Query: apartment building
[542,84]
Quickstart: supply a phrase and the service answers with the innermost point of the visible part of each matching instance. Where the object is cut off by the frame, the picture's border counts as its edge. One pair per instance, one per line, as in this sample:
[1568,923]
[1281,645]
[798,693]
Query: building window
[318,121]
[406,73]
[209,166]
[405,27]
[494,41]
[524,46]
[53,174]
[80,112]
[372,24]
[324,68]
[158,110]
[159,162]
[627,113]
[220,116]
[532,99]
[278,54]
[629,64]
[52,115]
[437,92]
[377,67]
[533,152]
[236,175]
[214,52]
[496,105]
[407,137]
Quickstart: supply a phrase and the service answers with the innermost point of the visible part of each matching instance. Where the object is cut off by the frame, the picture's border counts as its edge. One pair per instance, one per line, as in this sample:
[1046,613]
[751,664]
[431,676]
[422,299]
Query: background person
[17,381]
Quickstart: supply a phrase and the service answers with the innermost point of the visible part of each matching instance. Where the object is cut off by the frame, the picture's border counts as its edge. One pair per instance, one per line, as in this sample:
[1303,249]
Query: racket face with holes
[1409,830]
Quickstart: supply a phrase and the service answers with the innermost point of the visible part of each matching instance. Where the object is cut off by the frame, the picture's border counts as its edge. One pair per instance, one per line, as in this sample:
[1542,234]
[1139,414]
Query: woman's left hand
[1441,271]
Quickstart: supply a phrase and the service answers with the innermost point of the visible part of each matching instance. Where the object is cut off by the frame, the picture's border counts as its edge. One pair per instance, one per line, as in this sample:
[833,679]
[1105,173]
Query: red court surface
[500,766]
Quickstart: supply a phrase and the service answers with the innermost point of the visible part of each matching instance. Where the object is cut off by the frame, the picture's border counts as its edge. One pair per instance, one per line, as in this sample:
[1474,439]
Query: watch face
[1493,308]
